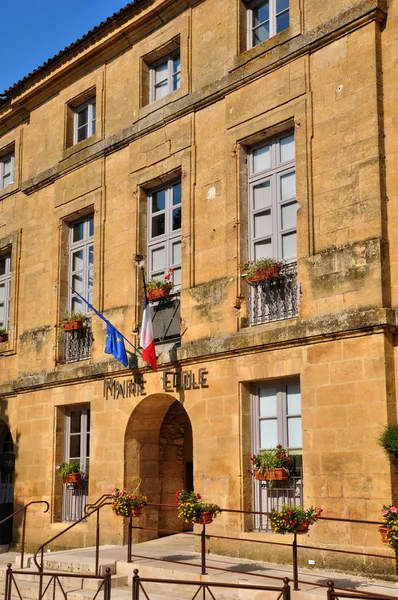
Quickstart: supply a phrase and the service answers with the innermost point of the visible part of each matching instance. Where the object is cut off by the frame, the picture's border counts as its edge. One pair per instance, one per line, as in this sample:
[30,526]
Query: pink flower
[394,509]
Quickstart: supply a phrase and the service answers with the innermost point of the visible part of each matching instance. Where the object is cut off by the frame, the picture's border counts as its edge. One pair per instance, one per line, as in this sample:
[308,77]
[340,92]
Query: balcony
[76,345]
[274,299]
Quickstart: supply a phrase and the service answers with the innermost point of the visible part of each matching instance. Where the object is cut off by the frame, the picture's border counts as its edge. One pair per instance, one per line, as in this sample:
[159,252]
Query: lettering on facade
[186,380]
[124,389]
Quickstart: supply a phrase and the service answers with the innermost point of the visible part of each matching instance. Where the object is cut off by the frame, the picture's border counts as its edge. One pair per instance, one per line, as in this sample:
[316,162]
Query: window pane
[78,232]
[161,90]
[263,249]
[75,416]
[161,73]
[262,224]
[289,246]
[281,5]
[176,81]
[91,226]
[77,260]
[158,259]
[177,277]
[77,283]
[2,315]
[91,255]
[293,400]
[158,200]
[2,292]
[294,437]
[286,149]
[74,446]
[176,64]
[288,186]
[176,253]
[158,225]
[2,266]
[289,215]
[262,195]
[282,21]
[82,118]
[176,193]
[267,402]
[261,159]
[77,305]
[90,281]
[261,14]
[261,34]
[176,219]
[268,433]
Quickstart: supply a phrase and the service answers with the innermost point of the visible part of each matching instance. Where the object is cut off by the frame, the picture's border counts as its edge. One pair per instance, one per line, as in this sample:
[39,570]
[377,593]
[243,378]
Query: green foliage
[274,458]
[389,441]
[289,518]
[161,284]
[73,316]
[190,506]
[67,468]
[3,331]
[390,518]
[251,267]
[124,502]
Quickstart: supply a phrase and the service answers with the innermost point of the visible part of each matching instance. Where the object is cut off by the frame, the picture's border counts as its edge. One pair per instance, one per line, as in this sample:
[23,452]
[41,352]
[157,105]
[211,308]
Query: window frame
[6,279]
[3,159]
[168,238]
[272,20]
[169,60]
[87,271]
[91,107]
[84,432]
[274,174]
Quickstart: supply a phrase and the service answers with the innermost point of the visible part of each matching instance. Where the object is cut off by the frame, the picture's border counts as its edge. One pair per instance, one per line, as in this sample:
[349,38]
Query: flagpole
[106,320]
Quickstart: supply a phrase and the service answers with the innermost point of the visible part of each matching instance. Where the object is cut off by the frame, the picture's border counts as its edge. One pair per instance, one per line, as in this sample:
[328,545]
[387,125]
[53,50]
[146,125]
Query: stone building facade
[197,135]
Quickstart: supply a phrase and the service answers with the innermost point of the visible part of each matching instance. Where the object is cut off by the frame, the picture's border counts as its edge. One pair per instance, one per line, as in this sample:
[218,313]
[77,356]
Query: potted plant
[126,504]
[262,269]
[191,509]
[73,320]
[389,529]
[70,472]
[160,288]
[293,519]
[272,465]
[389,441]
[3,335]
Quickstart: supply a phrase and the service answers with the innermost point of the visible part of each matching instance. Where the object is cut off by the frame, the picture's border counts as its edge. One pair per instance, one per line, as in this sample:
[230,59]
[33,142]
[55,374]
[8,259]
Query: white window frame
[273,16]
[4,161]
[85,246]
[84,433]
[172,78]
[89,108]
[5,279]
[168,239]
[274,176]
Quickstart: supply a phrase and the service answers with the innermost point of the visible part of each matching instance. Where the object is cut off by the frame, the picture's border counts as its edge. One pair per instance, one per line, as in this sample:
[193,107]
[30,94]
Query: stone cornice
[248,67]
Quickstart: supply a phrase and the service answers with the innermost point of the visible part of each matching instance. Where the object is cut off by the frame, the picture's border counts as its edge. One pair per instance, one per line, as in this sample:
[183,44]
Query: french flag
[146,338]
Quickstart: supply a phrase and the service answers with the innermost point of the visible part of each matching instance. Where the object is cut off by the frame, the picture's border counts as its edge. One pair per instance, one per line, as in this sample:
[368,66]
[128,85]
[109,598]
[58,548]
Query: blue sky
[32,32]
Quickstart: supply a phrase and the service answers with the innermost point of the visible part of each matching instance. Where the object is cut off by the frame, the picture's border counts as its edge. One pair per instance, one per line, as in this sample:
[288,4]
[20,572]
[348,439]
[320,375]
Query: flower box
[278,474]
[159,293]
[73,478]
[3,338]
[73,325]
[265,273]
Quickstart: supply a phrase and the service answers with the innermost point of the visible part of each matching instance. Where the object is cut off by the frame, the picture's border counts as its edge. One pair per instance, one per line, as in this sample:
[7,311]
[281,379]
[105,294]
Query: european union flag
[114,344]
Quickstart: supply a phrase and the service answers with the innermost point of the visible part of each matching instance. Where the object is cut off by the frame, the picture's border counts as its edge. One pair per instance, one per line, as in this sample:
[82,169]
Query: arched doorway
[159,458]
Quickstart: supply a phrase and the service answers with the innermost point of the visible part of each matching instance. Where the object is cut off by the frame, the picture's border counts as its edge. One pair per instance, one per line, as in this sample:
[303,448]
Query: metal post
[41,574]
[286,589]
[203,549]
[130,541]
[396,560]
[23,537]
[107,584]
[295,566]
[136,585]
[330,591]
[7,591]
[97,541]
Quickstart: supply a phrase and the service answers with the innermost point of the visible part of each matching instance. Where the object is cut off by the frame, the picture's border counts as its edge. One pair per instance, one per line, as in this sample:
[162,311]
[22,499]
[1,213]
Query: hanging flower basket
[159,293]
[293,519]
[191,509]
[205,518]
[136,511]
[126,504]
[302,528]
[279,474]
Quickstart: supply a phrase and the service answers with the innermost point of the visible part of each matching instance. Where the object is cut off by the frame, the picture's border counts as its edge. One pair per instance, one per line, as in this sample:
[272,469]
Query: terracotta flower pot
[383,529]
[159,293]
[136,511]
[205,518]
[302,529]
[278,474]
[72,325]
[265,273]
[4,338]
[73,478]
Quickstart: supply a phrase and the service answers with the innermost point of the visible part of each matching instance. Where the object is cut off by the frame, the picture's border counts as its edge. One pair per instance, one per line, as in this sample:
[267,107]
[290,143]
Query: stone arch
[158,457]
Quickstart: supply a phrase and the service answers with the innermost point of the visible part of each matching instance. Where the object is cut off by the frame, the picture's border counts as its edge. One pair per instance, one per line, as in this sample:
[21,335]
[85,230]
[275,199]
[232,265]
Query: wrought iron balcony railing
[76,345]
[274,299]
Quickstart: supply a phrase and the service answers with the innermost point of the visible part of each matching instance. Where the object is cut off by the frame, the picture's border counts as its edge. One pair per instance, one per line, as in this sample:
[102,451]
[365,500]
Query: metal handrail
[24,509]
[95,508]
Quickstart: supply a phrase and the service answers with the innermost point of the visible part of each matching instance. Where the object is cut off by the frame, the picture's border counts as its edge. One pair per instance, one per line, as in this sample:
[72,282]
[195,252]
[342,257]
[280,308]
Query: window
[84,121]
[5,290]
[6,170]
[266,19]
[164,232]
[276,413]
[77,447]
[272,197]
[165,76]
[81,263]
